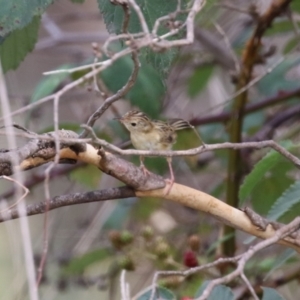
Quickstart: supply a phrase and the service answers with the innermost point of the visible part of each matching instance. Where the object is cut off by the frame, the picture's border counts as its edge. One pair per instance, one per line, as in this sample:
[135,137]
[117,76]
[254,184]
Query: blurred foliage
[15,14]
[88,176]
[78,264]
[270,294]
[199,79]
[219,292]
[161,293]
[18,43]
[266,85]
[260,170]
[50,83]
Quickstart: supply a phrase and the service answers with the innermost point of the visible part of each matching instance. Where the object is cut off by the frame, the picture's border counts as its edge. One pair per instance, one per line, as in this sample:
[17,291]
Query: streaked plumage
[147,134]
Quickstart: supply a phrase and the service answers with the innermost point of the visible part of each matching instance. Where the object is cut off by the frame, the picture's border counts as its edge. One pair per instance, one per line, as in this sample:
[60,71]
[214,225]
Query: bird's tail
[180,124]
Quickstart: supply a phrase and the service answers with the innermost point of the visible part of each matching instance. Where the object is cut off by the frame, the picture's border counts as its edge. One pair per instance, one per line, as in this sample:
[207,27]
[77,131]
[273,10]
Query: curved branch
[180,194]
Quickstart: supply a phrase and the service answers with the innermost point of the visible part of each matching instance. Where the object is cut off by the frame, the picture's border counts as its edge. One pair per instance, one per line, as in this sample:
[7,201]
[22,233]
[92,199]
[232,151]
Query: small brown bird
[147,134]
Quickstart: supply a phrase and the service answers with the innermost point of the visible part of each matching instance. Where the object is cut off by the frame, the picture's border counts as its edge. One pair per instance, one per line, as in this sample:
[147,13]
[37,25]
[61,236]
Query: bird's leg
[169,181]
[142,166]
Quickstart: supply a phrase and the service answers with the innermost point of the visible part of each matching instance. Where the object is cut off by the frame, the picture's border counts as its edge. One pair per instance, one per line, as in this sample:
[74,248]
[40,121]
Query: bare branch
[70,199]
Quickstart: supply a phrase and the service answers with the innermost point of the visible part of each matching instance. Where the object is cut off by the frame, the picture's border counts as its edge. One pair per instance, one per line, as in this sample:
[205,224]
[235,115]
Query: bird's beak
[118,119]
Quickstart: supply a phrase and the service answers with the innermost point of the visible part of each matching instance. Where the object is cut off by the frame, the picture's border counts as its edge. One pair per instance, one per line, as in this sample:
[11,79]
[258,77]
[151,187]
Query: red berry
[190,259]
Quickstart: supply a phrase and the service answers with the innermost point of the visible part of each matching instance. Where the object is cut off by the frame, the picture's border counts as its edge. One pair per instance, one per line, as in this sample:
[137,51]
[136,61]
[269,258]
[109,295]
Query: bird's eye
[133,124]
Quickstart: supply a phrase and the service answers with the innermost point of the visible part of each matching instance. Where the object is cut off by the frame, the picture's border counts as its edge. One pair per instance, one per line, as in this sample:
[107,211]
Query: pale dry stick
[141,17]
[26,192]
[178,5]
[47,191]
[106,63]
[196,7]
[141,43]
[168,17]
[194,151]
[119,37]
[249,286]
[24,227]
[120,93]
[123,286]
[190,271]
[73,84]
[279,234]
[228,45]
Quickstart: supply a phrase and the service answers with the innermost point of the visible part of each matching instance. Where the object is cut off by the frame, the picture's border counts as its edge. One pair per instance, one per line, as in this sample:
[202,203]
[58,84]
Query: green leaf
[49,84]
[220,292]
[15,14]
[270,294]
[273,184]
[290,45]
[284,203]
[295,6]
[18,44]
[277,79]
[253,122]
[78,264]
[152,10]
[258,172]
[77,1]
[148,89]
[160,294]
[118,216]
[280,260]
[88,176]
[280,27]
[199,79]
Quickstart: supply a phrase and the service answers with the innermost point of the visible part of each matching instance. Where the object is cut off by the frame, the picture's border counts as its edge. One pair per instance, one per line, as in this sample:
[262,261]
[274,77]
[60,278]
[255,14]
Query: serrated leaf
[199,79]
[220,292]
[274,183]
[152,10]
[78,264]
[270,294]
[15,14]
[280,260]
[18,44]
[284,203]
[160,294]
[258,172]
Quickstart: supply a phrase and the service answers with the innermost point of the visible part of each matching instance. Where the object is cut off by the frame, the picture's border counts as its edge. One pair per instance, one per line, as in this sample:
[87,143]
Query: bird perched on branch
[147,134]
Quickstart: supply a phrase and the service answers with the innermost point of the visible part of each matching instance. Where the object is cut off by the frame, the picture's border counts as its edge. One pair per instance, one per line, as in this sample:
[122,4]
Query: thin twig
[281,233]
[26,192]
